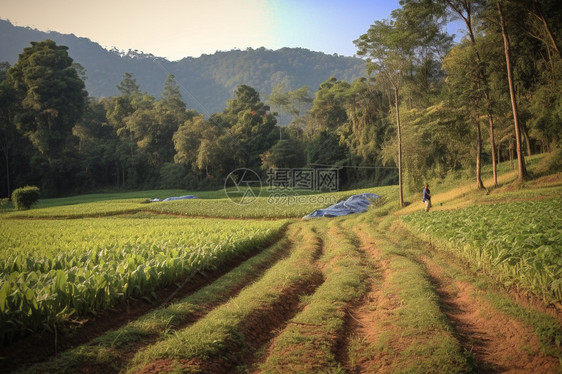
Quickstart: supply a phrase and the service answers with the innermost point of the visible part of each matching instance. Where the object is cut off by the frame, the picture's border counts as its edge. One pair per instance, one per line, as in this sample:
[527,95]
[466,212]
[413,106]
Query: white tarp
[174,198]
[354,204]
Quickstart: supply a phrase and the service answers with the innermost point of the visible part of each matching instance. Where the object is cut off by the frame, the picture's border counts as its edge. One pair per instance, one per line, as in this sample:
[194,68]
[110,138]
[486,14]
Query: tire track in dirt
[251,363]
[498,342]
[368,324]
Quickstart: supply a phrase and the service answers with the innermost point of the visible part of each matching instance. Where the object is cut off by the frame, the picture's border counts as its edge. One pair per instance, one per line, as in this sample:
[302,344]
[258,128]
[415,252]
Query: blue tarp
[354,204]
[175,198]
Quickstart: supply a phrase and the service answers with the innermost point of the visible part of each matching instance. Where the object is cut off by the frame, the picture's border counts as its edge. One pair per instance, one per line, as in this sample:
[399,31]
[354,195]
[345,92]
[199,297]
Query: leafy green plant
[75,267]
[518,243]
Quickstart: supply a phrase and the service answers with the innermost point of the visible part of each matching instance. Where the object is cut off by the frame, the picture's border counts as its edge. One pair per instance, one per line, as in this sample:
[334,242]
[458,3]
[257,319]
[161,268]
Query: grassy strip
[271,204]
[414,332]
[309,342]
[80,210]
[224,336]
[459,191]
[107,352]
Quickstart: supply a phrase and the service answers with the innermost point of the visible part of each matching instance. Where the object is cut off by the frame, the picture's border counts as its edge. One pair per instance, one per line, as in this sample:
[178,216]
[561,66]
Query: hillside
[206,82]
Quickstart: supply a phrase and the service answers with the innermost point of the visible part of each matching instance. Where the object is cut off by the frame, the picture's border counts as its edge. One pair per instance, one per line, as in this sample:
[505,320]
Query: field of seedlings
[51,270]
[210,286]
[518,243]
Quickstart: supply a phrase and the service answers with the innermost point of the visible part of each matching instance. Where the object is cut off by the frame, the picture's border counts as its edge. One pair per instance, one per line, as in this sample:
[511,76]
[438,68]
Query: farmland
[206,285]
[484,236]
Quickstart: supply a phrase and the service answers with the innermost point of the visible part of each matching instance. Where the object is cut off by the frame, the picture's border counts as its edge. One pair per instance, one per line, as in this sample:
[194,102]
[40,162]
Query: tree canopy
[417,116]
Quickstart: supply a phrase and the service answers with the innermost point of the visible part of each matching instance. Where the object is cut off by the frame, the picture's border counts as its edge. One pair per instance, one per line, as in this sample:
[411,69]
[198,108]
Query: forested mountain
[206,82]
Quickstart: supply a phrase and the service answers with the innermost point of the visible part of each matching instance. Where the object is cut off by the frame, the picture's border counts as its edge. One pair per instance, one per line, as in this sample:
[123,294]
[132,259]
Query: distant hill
[206,82]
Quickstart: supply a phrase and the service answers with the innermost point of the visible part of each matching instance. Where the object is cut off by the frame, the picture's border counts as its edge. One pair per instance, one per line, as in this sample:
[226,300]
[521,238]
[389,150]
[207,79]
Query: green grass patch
[213,204]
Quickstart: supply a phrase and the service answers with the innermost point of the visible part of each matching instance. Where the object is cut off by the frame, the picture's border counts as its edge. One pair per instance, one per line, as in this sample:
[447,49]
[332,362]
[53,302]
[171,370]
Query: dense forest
[426,109]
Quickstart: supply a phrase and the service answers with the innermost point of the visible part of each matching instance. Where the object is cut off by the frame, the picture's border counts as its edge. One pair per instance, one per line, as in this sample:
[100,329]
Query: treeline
[56,137]
[430,108]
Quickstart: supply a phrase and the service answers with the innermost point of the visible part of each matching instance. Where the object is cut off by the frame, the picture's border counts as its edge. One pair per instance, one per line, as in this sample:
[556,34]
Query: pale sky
[180,28]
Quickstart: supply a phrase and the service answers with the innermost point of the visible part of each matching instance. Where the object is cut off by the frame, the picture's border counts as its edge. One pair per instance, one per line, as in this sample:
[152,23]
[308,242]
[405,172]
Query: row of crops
[518,243]
[51,270]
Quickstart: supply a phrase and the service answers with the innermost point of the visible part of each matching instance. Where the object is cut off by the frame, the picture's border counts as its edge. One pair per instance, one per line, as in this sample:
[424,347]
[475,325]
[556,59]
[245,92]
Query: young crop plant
[64,268]
[518,243]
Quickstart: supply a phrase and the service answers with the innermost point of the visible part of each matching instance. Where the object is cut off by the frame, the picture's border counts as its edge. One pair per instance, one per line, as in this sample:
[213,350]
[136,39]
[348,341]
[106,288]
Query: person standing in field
[427,197]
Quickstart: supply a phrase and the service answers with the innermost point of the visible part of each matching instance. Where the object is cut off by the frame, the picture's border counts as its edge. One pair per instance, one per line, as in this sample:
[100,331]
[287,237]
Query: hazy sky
[181,28]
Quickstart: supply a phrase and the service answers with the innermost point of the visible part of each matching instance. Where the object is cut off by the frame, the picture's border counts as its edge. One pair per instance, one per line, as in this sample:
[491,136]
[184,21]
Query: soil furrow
[310,341]
[251,362]
[368,320]
[258,329]
[498,342]
[250,328]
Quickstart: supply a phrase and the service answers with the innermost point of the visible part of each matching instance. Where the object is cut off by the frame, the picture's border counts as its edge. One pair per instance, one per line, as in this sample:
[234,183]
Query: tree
[8,133]
[542,31]
[171,98]
[286,153]
[294,103]
[171,113]
[249,123]
[52,96]
[128,85]
[464,92]
[363,131]
[389,54]
[187,139]
[522,171]
[328,108]
[465,10]
[325,149]
[96,147]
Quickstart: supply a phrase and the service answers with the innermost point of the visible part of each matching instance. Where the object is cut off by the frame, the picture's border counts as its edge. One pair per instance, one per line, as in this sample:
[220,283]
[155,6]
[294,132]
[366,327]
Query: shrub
[23,198]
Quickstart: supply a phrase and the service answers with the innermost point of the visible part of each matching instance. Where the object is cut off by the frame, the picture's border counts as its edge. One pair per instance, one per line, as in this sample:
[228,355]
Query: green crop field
[519,243]
[53,269]
[268,204]
[388,290]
